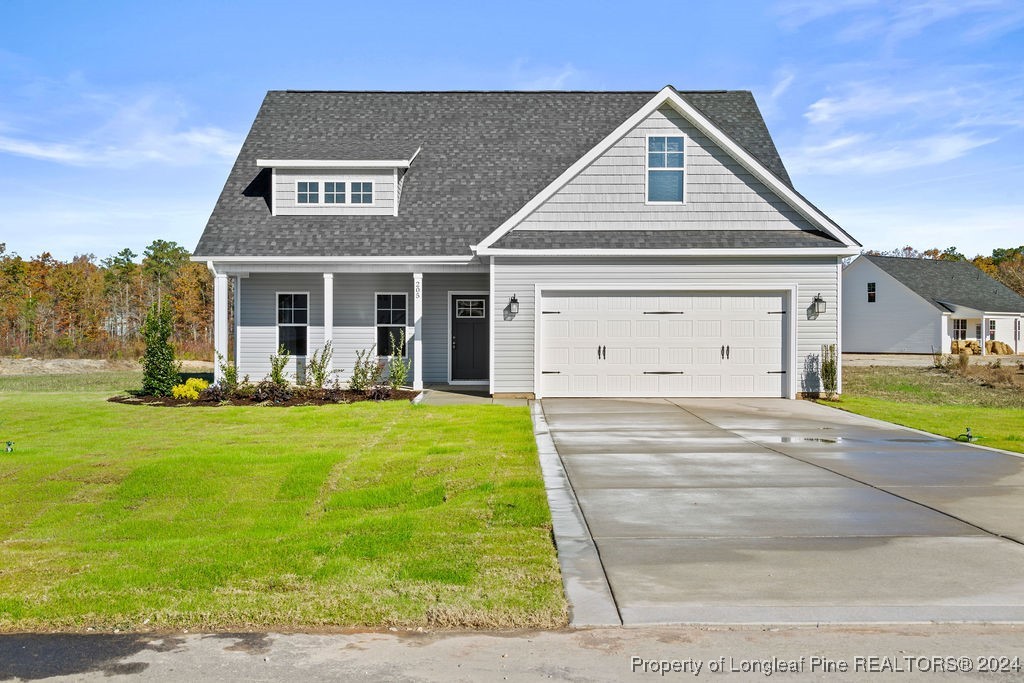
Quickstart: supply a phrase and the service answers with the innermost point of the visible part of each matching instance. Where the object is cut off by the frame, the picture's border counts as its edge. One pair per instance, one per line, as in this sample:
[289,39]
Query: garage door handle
[727,352]
[550,372]
[723,351]
[604,352]
[664,372]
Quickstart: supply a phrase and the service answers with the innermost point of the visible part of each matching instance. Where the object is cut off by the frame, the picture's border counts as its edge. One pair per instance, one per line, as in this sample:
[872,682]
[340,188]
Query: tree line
[1005,265]
[96,308]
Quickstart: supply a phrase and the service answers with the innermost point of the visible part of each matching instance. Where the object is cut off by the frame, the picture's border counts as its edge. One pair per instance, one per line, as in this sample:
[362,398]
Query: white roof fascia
[812,251]
[334,163]
[702,123]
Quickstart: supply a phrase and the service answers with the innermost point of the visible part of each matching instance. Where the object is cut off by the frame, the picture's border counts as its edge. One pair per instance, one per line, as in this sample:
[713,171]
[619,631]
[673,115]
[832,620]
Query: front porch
[444,315]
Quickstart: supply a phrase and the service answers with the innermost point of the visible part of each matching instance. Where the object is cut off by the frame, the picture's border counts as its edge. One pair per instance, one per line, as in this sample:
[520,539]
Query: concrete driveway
[768,510]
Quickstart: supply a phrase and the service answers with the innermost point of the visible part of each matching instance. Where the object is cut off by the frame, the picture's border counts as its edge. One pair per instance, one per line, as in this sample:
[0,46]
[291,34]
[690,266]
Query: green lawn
[937,402]
[120,516]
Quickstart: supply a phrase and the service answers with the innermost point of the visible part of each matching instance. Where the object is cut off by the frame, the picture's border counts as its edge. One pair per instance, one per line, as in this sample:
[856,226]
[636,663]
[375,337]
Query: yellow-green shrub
[190,389]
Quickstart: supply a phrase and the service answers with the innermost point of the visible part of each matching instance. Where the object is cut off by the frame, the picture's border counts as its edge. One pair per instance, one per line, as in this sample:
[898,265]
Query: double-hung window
[960,329]
[391,316]
[307,192]
[293,321]
[991,330]
[871,292]
[665,172]
[334,193]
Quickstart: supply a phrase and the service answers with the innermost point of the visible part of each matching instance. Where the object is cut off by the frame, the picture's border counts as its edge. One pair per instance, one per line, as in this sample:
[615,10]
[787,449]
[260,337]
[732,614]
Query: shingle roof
[953,282]
[664,239]
[484,155]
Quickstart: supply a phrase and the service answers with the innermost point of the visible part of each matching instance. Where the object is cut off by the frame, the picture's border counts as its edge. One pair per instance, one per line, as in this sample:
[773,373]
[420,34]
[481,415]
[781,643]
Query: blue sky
[904,121]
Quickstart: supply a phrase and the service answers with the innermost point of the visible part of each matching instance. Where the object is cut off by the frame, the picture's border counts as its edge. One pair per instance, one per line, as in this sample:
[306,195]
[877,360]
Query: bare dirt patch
[78,366]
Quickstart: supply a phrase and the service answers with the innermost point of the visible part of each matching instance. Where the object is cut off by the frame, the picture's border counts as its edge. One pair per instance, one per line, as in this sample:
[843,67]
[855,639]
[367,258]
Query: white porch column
[237,310]
[220,321]
[417,334]
[984,333]
[329,314]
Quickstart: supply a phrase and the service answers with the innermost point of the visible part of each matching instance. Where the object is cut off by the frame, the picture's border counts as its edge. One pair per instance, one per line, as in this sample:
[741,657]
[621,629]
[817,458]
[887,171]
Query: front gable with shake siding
[533,243]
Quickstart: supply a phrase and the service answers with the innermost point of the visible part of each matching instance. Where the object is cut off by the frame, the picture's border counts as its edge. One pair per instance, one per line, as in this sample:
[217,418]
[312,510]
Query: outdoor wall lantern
[818,304]
[513,305]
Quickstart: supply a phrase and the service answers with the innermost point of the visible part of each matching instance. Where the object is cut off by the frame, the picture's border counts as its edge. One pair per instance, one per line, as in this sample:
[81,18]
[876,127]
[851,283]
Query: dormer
[336,187]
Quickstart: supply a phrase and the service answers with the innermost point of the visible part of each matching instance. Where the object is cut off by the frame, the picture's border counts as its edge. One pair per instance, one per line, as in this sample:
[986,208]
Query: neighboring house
[533,243]
[909,305]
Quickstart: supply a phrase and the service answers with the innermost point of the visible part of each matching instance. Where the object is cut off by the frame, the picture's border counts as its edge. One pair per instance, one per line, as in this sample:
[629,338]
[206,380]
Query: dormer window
[665,172]
[362,193]
[308,193]
[334,193]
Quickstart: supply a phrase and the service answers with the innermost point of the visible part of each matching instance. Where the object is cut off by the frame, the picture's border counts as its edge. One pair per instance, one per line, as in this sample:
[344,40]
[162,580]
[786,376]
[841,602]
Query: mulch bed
[327,398]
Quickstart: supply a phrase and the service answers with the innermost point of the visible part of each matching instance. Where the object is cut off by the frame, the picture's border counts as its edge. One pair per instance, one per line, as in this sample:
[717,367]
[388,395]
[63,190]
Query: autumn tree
[161,260]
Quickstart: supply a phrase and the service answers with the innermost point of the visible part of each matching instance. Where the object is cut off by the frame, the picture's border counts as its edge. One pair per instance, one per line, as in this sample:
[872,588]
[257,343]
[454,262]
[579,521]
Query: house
[909,305]
[532,243]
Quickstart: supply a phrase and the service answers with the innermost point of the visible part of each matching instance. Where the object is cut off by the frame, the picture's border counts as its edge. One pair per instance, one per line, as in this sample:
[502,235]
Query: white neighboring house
[533,243]
[909,305]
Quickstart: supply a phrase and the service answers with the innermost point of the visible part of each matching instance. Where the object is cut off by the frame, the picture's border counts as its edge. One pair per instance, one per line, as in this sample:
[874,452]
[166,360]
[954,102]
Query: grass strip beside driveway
[938,402]
[119,516]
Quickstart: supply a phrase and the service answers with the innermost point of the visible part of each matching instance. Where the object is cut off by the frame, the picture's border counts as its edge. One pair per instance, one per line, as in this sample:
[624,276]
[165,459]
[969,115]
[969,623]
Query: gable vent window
[334,193]
[871,292]
[665,174]
[308,193]
[362,193]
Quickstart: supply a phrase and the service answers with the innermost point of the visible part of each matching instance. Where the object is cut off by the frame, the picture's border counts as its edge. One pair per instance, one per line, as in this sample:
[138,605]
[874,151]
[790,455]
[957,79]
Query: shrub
[159,369]
[269,390]
[228,373]
[215,393]
[190,389]
[318,364]
[379,392]
[278,362]
[398,368]
[367,371]
[964,362]
[829,369]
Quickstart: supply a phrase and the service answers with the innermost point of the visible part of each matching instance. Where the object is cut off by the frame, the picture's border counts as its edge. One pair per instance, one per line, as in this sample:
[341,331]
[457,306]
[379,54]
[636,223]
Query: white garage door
[662,344]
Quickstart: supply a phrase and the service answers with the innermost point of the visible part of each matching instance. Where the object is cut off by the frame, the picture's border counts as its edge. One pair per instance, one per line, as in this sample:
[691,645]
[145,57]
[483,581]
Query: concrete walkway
[754,511]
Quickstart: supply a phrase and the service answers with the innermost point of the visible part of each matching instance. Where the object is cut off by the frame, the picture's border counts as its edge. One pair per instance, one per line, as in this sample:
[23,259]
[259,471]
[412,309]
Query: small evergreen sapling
[159,369]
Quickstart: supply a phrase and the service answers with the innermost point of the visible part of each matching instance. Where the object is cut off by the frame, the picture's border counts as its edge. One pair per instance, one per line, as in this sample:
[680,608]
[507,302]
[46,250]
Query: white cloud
[785,77]
[149,129]
[863,100]
[863,154]
[525,77]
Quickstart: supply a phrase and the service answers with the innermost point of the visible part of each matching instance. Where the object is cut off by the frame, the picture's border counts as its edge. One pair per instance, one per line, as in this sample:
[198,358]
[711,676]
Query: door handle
[604,352]
[599,352]
[723,351]
[727,352]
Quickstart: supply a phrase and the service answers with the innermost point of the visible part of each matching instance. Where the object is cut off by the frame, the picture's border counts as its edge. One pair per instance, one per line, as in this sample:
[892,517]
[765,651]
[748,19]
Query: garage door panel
[662,344]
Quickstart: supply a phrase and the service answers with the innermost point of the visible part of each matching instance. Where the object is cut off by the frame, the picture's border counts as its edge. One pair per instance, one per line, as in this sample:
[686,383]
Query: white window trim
[956,322]
[872,288]
[277,325]
[377,325]
[991,332]
[647,168]
[322,191]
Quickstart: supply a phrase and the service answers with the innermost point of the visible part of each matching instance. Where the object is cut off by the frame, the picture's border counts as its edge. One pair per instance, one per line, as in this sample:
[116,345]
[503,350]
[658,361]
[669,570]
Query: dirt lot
[74,366]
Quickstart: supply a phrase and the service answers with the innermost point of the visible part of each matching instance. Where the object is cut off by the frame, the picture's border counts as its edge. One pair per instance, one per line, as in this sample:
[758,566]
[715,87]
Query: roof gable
[669,96]
[483,155]
[959,283]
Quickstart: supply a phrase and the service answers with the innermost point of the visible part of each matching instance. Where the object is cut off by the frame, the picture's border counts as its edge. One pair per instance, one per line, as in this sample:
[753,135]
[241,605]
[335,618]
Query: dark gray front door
[469,337]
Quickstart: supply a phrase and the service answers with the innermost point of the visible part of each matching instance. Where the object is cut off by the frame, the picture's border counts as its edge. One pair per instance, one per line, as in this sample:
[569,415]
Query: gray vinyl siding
[514,339]
[898,321]
[610,193]
[257,332]
[354,316]
[285,191]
